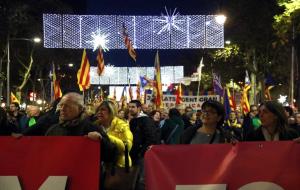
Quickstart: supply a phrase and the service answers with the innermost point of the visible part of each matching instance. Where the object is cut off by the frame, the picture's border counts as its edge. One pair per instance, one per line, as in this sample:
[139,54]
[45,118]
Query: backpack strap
[171,134]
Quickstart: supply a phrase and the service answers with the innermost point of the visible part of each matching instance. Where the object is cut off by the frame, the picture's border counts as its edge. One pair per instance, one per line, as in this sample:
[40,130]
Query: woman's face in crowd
[210,116]
[103,114]
[121,114]
[156,116]
[268,119]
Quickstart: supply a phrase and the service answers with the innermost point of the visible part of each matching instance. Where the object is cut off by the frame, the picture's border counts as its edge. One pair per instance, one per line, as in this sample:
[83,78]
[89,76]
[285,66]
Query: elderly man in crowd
[73,122]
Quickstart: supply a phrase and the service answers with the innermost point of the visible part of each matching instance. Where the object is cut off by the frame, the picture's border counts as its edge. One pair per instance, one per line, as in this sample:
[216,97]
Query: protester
[144,135]
[233,126]
[210,132]
[14,117]
[156,116]
[189,119]
[117,130]
[251,121]
[123,114]
[73,122]
[5,129]
[33,113]
[173,128]
[45,121]
[297,122]
[274,124]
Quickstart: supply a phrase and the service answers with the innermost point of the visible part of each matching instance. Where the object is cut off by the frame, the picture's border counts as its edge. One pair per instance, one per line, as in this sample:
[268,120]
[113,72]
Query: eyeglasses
[209,112]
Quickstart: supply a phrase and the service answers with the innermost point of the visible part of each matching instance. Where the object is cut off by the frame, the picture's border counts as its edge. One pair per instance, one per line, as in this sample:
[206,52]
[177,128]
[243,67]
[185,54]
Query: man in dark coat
[144,135]
[72,122]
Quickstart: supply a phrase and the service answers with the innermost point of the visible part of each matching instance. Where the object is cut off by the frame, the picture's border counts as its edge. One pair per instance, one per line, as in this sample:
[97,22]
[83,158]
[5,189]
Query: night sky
[190,58]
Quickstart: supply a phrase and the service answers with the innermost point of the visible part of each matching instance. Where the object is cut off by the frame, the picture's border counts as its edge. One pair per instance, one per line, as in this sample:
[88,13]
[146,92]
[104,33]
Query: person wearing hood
[274,124]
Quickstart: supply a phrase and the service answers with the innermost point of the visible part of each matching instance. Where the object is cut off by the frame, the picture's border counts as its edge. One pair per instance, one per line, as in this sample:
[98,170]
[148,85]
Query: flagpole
[83,95]
[199,70]
[51,84]
[198,87]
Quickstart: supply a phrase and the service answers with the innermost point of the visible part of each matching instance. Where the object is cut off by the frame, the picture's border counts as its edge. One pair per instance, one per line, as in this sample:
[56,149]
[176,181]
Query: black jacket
[43,124]
[190,132]
[144,135]
[80,127]
[257,135]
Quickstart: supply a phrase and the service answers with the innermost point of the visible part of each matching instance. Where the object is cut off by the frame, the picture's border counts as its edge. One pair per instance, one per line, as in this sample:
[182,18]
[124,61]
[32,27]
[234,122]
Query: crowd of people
[127,133]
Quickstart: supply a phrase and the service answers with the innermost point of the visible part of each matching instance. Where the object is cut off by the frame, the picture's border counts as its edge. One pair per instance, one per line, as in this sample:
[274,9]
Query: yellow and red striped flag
[100,62]
[267,92]
[115,94]
[244,100]
[158,85]
[130,93]
[56,85]
[13,98]
[179,94]
[123,98]
[128,44]
[83,74]
[138,90]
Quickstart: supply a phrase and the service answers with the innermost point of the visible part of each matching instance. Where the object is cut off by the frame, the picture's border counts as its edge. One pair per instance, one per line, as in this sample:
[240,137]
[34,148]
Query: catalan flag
[157,81]
[179,94]
[123,98]
[244,100]
[101,95]
[138,90]
[83,74]
[13,98]
[229,103]
[100,62]
[56,84]
[130,93]
[115,94]
[128,43]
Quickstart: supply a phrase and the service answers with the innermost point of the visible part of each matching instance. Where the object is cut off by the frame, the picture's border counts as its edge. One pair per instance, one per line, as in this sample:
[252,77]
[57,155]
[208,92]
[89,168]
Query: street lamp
[220,19]
[34,40]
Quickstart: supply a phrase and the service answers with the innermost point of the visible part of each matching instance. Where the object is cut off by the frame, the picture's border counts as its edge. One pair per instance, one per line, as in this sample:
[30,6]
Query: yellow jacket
[119,133]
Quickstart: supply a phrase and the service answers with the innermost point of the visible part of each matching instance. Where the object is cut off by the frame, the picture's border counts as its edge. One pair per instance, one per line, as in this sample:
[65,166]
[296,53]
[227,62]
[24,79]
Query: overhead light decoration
[109,69]
[282,99]
[170,21]
[99,40]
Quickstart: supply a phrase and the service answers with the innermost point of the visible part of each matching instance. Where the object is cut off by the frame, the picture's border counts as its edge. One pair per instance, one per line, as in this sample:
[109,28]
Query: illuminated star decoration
[170,21]
[282,99]
[99,40]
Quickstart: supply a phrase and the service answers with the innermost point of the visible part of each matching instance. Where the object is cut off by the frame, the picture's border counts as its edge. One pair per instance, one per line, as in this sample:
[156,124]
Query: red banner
[260,165]
[34,159]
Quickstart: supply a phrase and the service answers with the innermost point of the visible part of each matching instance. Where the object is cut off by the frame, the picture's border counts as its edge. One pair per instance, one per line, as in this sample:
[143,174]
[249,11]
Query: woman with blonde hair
[117,130]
